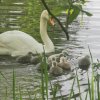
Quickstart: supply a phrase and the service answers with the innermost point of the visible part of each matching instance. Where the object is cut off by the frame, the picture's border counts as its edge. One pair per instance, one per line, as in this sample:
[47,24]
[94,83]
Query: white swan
[17,43]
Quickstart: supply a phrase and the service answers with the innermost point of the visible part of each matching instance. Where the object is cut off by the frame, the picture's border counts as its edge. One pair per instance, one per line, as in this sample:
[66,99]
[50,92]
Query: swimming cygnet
[28,58]
[64,64]
[55,70]
[55,57]
[34,60]
[84,62]
[24,59]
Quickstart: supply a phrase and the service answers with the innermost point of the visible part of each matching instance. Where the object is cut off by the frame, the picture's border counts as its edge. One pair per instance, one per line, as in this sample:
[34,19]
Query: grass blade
[89,86]
[92,87]
[42,81]
[3,76]
[78,85]
[14,79]
[71,89]
[98,87]
[45,74]
[20,92]
[92,80]
[6,93]
[86,95]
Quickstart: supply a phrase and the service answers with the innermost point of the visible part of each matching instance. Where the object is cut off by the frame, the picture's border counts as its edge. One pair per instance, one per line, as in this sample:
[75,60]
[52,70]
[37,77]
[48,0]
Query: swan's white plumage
[17,43]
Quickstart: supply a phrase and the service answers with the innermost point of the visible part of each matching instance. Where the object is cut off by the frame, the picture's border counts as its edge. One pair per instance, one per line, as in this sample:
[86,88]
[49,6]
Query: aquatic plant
[14,85]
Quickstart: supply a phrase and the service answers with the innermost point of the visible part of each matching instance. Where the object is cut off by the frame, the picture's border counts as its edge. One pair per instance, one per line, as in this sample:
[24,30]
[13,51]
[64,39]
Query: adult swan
[16,43]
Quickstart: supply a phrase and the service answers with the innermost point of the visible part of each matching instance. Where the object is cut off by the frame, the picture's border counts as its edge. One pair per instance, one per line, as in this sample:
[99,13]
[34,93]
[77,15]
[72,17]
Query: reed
[20,93]
[98,85]
[71,91]
[6,95]
[44,77]
[42,83]
[4,77]
[13,86]
[93,84]
[54,91]
[89,88]
[78,83]
[86,95]
[92,79]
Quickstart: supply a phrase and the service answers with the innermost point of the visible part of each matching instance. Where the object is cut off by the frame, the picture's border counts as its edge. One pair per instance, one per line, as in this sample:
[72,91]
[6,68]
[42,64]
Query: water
[28,78]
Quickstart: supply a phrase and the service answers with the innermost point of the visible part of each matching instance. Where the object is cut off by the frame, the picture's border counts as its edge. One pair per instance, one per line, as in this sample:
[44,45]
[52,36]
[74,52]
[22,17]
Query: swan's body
[17,43]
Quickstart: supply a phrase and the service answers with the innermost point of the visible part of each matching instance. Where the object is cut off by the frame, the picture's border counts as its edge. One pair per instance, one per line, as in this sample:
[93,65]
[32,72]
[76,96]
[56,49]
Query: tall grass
[45,80]
[6,94]
[91,83]
[89,88]
[20,93]
[93,86]
[92,80]
[4,77]
[72,91]
[14,83]
[98,85]
[44,76]
[78,83]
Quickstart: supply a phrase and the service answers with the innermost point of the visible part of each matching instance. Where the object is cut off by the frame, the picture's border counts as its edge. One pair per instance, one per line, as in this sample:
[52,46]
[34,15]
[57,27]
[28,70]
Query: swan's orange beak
[51,20]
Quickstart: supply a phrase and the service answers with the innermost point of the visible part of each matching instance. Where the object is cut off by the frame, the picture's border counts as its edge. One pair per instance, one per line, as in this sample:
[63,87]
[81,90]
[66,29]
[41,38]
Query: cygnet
[25,59]
[64,64]
[55,70]
[84,62]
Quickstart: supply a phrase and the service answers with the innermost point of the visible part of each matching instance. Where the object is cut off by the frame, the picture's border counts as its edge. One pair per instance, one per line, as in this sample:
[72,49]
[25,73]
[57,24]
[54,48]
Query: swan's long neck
[49,47]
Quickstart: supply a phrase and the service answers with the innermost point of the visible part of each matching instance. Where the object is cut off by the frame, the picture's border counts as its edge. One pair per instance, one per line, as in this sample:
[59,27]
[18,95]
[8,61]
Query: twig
[66,32]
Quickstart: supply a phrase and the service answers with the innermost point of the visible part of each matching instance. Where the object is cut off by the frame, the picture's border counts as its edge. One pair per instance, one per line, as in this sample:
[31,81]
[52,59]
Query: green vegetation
[93,86]
[34,9]
[27,15]
[92,92]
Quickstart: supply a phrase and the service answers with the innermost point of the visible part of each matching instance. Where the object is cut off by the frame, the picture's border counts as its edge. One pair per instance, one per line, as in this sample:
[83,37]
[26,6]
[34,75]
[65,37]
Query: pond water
[28,78]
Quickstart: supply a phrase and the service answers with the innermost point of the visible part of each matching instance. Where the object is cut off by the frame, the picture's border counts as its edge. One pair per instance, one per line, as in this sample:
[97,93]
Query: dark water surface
[28,78]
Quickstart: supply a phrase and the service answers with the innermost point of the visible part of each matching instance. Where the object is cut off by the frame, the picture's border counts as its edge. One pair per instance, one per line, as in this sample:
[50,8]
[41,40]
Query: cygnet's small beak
[51,20]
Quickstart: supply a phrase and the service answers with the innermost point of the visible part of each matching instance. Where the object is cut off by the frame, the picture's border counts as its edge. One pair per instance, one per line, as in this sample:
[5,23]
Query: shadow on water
[28,77]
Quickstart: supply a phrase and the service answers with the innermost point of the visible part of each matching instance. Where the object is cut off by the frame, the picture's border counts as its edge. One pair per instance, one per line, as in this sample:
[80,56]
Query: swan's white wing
[20,41]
